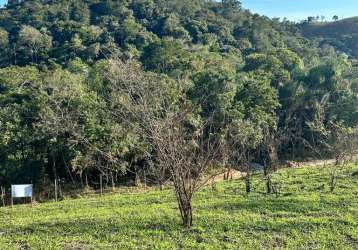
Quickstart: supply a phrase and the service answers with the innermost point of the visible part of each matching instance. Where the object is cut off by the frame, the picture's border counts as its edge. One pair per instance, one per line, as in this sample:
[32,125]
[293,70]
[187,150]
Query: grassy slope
[304,216]
[329,29]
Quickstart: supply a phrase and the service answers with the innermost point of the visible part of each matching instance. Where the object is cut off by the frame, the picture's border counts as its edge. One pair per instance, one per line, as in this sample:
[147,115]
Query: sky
[297,10]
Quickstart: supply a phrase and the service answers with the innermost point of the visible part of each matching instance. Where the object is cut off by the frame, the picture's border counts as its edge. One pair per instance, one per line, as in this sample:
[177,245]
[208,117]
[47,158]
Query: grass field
[303,216]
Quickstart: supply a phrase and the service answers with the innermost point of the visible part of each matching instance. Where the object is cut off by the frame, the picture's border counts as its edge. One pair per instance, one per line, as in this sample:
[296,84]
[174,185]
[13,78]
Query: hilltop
[342,34]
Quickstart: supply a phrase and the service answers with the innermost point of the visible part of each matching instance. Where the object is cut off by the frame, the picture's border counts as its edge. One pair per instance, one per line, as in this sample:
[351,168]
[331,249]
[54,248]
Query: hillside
[54,32]
[106,93]
[342,34]
[304,215]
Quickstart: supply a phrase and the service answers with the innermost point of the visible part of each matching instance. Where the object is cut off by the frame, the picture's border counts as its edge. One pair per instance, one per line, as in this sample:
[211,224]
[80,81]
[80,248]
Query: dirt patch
[77,246]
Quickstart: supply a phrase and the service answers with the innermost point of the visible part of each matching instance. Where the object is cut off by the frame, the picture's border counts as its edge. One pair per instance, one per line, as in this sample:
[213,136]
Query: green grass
[304,216]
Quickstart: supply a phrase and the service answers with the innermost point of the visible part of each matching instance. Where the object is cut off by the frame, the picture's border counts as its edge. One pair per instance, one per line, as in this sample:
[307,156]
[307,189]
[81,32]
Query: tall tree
[157,109]
[32,42]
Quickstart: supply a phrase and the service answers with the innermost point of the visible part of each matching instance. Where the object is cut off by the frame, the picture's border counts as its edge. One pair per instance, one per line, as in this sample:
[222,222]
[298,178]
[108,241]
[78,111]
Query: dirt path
[235,174]
[314,163]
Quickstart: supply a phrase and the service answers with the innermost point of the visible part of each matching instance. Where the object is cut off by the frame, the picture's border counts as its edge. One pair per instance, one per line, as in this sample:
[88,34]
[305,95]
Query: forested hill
[54,32]
[252,83]
[342,34]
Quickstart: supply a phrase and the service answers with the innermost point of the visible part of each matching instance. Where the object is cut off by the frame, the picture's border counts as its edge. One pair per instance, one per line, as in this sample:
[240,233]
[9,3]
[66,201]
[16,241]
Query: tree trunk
[68,169]
[3,196]
[15,54]
[273,156]
[227,174]
[137,180]
[161,185]
[184,202]
[213,185]
[81,178]
[247,183]
[112,182]
[248,179]
[333,179]
[116,179]
[186,212]
[293,156]
[145,179]
[269,184]
[188,217]
[101,183]
[55,176]
[267,178]
[107,179]
[86,180]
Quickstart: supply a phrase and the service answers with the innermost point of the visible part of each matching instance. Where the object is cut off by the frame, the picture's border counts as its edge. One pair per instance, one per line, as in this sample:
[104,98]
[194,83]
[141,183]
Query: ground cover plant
[303,214]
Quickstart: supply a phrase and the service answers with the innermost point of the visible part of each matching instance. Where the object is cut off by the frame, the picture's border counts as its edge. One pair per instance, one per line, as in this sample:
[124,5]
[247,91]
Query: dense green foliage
[305,215]
[252,77]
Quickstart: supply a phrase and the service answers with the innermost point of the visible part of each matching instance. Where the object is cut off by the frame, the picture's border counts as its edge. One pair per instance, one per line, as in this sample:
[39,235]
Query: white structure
[21,191]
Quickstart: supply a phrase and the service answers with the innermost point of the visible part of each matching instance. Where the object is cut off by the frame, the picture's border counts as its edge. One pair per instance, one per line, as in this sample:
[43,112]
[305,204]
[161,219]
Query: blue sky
[300,9]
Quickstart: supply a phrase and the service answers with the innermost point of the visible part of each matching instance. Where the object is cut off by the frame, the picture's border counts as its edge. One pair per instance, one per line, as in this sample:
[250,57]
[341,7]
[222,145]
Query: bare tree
[269,155]
[340,141]
[241,137]
[179,141]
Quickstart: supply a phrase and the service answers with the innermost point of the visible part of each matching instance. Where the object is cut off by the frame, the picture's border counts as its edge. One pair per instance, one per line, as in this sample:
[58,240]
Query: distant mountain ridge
[342,34]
